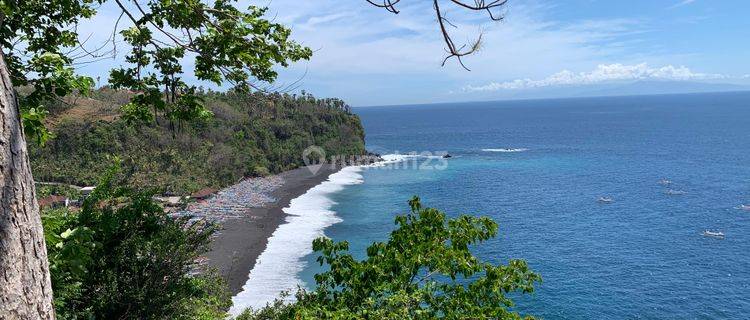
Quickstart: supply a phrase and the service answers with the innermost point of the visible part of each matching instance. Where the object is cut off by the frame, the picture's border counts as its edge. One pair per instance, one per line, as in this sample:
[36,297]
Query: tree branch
[452,50]
[387,5]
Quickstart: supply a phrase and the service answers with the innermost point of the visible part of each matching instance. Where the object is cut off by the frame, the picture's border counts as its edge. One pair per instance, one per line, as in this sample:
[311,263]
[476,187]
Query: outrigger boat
[664,182]
[713,234]
[605,200]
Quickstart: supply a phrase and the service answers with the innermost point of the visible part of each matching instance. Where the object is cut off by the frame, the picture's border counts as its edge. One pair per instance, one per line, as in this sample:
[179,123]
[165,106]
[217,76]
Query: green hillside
[249,135]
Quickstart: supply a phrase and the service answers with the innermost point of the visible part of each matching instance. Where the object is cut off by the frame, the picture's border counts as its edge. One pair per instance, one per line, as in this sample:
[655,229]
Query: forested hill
[248,135]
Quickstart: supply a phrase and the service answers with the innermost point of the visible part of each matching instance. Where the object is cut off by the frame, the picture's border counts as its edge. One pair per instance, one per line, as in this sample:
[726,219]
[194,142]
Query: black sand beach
[242,239]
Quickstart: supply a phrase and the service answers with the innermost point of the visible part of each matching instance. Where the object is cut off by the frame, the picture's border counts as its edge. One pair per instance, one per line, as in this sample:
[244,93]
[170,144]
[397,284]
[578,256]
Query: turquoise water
[642,256]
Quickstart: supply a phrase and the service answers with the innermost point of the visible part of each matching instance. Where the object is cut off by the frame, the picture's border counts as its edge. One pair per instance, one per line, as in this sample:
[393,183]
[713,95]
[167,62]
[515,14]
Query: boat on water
[744,207]
[605,200]
[713,234]
[665,182]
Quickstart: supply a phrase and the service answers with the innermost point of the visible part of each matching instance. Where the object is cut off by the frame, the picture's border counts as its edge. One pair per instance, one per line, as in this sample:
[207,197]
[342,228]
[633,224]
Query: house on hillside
[170,204]
[54,201]
[172,201]
[85,191]
[203,194]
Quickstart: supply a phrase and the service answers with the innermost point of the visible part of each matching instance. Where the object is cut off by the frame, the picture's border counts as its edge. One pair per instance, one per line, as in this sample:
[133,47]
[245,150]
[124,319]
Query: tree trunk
[25,287]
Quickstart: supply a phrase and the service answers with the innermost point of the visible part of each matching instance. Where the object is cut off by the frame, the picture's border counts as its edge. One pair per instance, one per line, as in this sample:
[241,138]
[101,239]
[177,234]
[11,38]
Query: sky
[368,56]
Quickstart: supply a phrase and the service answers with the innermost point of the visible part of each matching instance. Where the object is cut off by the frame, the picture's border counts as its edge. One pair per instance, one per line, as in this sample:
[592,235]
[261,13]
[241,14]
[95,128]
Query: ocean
[673,166]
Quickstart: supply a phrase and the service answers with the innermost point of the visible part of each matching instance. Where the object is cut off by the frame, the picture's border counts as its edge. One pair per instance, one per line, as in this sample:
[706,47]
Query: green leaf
[67,233]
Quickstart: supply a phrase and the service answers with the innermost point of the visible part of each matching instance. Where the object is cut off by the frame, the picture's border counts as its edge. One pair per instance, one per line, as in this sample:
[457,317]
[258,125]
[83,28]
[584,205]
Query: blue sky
[368,56]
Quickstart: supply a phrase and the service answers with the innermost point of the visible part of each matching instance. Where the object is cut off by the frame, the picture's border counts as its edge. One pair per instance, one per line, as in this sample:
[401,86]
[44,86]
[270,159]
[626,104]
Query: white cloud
[362,51]
[368,51]
[603,73]
[682,3]
[314,21]
[358,38]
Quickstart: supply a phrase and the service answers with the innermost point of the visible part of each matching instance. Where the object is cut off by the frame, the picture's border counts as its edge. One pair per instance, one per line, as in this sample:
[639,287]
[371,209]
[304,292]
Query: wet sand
[242,239]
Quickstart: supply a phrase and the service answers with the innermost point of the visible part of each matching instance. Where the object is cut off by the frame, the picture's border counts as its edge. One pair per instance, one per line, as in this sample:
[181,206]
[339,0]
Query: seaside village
[205,204]
[72,197]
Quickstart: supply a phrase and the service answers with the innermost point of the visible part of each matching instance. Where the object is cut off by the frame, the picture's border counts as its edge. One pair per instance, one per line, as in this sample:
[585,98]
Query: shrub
[122,257]
[424,271]
[261,171]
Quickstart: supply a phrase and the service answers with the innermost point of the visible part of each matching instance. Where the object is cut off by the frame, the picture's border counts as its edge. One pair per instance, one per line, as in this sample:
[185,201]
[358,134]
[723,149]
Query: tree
[424,271]
[38,44]
[25,288]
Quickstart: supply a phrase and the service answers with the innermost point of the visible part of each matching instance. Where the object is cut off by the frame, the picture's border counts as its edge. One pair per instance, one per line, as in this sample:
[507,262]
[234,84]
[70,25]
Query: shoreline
[241,240]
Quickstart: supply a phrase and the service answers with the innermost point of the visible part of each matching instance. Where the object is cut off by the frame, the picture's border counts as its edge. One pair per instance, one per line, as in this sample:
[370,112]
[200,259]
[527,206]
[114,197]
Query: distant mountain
[663,87]
[611,89]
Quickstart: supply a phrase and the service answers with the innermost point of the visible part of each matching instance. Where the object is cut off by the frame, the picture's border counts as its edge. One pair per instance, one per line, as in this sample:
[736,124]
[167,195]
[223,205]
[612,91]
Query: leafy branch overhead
[492,8]
[227,44]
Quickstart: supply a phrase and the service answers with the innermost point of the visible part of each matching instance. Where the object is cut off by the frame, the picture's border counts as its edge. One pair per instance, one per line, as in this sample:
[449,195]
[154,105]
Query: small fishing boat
[605,200]
[665,182]
[713,234]
[744,207]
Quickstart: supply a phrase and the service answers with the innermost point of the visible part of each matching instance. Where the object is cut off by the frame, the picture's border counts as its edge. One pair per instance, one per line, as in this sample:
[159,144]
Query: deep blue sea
[643,256]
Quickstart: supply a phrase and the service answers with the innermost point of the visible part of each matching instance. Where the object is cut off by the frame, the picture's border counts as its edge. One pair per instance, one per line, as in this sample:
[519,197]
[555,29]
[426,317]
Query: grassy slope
[249,135]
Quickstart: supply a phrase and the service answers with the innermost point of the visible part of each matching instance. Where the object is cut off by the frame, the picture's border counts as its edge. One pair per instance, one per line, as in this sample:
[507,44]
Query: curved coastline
[305,218]
[242,238]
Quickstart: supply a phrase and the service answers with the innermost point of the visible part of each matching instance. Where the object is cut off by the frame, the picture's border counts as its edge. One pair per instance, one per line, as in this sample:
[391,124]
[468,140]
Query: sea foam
[308,215]
[391,158]
[506,150]
[277,267]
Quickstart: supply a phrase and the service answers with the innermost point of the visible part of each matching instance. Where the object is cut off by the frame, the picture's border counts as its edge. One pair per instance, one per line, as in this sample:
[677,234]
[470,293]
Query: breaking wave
[506,150]
[277,267]
[308,215]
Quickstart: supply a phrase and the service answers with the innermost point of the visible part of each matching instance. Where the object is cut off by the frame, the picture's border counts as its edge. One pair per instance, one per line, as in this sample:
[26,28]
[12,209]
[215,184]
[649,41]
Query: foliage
[279,309]
[69,249]
[250,135]
[39,41]
[209,301]
[44,190]
[424,271]
[227,44]
[33,122]
[121,257]
[33,43]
